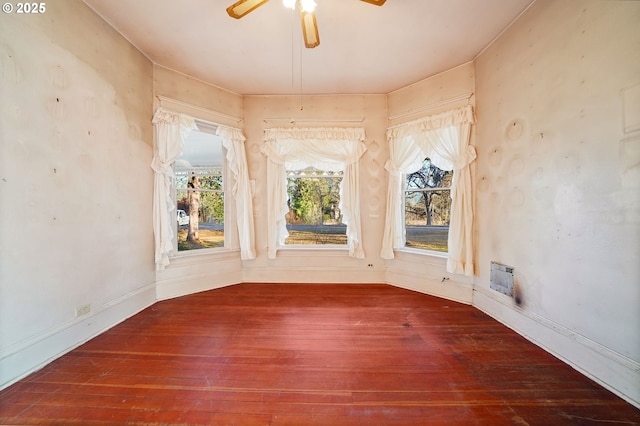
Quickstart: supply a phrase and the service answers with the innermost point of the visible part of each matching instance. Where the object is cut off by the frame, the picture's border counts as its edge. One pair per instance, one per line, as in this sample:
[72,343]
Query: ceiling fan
[307,15]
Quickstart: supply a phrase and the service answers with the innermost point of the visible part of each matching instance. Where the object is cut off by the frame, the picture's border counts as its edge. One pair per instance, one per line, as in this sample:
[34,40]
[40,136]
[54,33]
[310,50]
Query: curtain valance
[329,149]
[436,121]
[315,133]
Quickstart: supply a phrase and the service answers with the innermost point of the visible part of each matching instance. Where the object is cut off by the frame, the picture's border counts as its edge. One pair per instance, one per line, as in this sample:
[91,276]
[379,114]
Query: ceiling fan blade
[242,7]
[376,2]
[310,29]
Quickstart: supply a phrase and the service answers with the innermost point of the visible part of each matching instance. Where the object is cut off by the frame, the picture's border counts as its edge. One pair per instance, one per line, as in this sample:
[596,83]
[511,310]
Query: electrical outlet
[83,310]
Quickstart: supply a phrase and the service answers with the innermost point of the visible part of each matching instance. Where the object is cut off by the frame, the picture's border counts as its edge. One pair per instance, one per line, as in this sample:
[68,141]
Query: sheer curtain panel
[329,149]
[233,142]
[171,130]
[444,138]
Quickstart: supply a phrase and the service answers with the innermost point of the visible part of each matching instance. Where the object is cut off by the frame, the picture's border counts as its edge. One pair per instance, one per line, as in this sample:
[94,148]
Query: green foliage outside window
[314,215]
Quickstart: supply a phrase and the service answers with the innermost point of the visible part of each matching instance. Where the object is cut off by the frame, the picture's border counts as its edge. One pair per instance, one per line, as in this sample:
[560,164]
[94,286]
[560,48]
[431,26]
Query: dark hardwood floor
[305,354]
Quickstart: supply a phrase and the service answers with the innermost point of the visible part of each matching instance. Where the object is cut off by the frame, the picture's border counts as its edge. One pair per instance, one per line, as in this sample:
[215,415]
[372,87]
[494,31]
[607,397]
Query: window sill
[314,247]
[420,252]
[306,248]
[408,259]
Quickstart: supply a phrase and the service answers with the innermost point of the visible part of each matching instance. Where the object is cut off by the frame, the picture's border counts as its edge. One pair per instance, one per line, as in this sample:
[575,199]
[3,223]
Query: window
[316,150]
[314,215]
[427,207]
[444,140]
[195,175]
[199,196]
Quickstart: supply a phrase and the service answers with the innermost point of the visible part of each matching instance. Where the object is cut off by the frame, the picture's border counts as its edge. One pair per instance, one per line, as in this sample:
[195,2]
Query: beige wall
[558,183]
[75,149]
[201,100]
[448,90]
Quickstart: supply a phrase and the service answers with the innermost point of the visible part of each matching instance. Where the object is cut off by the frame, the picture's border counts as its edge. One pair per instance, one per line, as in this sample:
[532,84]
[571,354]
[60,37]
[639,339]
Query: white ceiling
[363,48]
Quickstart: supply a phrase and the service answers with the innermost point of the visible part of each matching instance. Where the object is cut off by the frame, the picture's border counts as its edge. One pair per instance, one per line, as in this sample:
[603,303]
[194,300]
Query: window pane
[429,176]
[200,193]
[208,178]
[428,207]
[427,215]
[314,215]
[201,150]
[209,232]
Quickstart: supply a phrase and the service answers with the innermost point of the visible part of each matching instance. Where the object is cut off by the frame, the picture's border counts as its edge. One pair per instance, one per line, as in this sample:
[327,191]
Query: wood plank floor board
[307,354]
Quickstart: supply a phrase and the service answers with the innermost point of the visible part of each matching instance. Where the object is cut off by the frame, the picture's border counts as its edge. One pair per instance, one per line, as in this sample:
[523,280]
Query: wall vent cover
[501,278]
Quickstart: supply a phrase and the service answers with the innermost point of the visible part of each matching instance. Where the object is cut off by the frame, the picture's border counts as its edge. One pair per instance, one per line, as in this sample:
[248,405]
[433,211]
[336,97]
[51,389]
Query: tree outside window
[199,182]
[427,207]
[314,215]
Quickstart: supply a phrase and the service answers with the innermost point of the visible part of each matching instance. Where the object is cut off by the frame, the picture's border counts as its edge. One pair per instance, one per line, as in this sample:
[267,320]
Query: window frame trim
[314,246]
[228,214]
[414,250]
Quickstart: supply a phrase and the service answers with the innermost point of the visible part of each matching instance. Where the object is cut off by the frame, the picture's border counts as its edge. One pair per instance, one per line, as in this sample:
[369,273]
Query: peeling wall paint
[75,182]
[558,184]
[196,93]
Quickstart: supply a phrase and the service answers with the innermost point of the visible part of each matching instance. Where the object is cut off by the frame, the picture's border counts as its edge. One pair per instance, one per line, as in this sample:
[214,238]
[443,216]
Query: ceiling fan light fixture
[307,8]
[309,29]
[289,4]
[242,7]
[308,5]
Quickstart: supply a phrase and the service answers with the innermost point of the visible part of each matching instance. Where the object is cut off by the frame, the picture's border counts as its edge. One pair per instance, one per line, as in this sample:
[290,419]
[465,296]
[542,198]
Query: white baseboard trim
[169,289]
[448,289]
[25,357]
[312,275]
[197,271]
[614,371]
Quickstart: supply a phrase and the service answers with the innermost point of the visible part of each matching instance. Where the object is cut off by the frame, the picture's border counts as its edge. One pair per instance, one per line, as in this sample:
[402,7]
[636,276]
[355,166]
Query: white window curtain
[444,138]
[330,149]
[233,141]
[171,131]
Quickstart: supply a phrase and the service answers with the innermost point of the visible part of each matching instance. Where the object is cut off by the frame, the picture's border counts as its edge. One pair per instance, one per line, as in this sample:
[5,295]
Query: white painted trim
[198,270]
[183,286]
[19,360]
[426,272]
[429,107]
[428,284]
[199,113]
[423,252]
[612,370]
[200,257]
[312,275]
